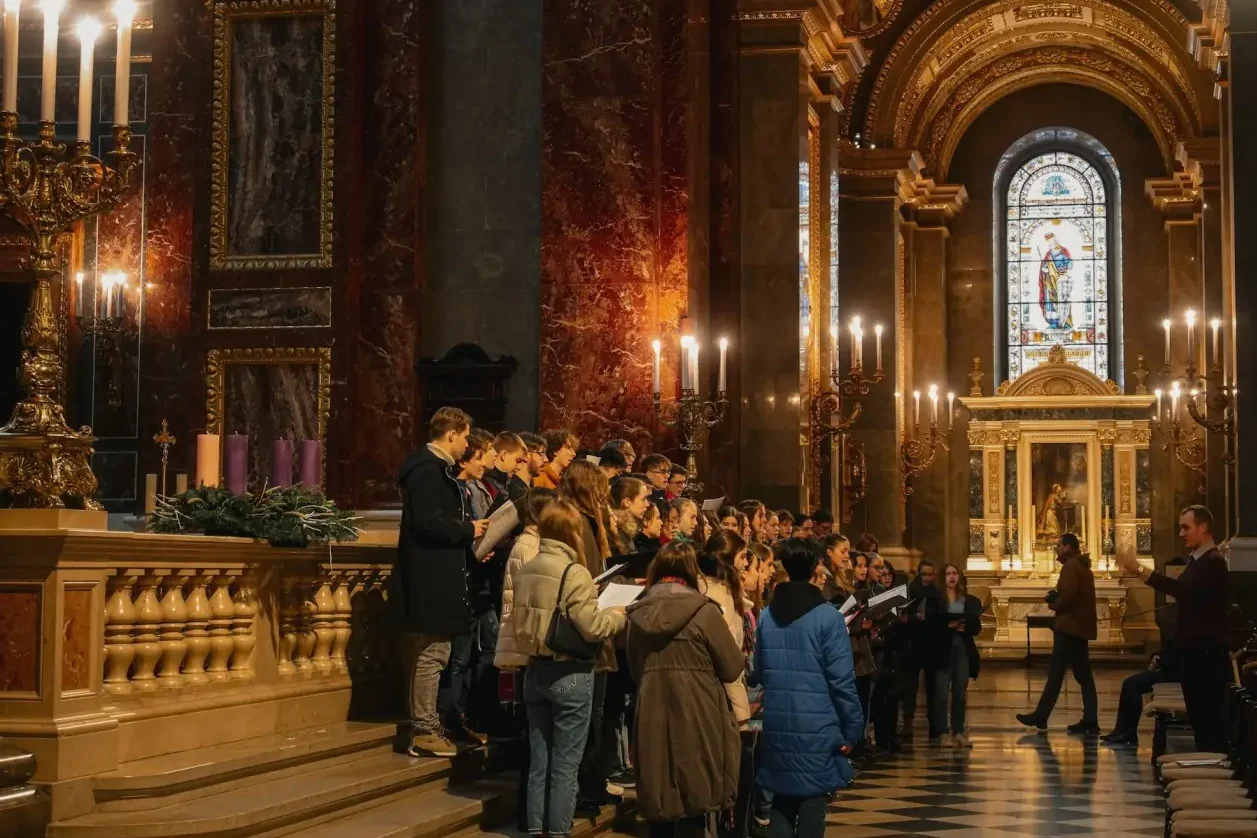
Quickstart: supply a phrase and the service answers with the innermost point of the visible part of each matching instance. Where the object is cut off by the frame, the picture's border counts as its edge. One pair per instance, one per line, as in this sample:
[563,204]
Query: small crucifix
[165,439]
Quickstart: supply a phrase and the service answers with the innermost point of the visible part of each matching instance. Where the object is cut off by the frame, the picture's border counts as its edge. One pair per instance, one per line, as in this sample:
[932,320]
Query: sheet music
[616,595]
[713,504]
[846,607]
[609,572]
[501,524]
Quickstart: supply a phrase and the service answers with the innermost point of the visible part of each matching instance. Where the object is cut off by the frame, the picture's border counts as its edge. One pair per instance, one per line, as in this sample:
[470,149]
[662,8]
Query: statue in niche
[1054,284]
[1048,527]
[862,15]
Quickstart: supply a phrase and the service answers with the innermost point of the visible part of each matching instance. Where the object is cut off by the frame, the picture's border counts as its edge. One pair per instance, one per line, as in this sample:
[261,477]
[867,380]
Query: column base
[50,471]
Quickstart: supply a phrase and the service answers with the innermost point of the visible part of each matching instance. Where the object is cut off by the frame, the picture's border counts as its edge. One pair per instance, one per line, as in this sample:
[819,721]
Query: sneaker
[963,741]
[946,741]
[1029,720]
[1116,738]
[460,734]
[615,789]
[1084,728]
[432,745]
[624,779]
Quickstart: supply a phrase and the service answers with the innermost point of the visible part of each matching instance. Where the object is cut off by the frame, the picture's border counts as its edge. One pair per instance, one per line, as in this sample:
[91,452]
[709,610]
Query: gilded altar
[1058,450]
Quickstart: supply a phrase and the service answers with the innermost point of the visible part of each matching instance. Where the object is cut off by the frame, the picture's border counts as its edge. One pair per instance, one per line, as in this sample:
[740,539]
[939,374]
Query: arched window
[1056,238]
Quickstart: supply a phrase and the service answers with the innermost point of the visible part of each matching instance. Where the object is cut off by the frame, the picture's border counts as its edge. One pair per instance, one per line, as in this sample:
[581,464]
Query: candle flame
[78,277]
[124,11]
[52,8]
[877,329]
[1167,322]
[1174,389]
[933,391]
[1216,323]
[951,397]
[724,343]
[916,394]
[1190,317]
[11,6]
[1157,392]
[855,322]
[656,345]
[89,30]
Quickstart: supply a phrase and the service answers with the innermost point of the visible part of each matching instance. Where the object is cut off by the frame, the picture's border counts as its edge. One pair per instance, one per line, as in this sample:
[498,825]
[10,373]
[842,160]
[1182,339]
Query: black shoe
[587,810]
[1084,728]
[609,799]
[461,734]
[624,779]
[1030,720]
[1116,738]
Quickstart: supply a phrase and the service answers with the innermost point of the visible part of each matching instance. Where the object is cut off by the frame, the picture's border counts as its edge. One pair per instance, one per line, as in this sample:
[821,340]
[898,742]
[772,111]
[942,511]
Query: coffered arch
[957,58]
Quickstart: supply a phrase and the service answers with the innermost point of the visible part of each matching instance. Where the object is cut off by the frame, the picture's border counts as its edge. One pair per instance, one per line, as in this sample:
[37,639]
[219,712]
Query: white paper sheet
[846,607]
[609,572]
[713,504]
[616,595]
[501,524]
[590,458]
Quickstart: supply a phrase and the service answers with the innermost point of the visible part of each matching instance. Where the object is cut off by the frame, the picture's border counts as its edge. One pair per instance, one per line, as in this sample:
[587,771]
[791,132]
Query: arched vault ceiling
[960,56]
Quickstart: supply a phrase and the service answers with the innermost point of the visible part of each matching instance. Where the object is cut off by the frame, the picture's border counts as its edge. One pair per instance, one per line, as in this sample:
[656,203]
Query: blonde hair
[561,521]
[586,486]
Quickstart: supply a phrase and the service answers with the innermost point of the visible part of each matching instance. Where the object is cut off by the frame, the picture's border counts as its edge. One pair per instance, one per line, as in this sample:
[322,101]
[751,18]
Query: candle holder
[919,453]
[1187,446]
[692,416]
[833,411]
[1219,401]
[45,187]
[112,339]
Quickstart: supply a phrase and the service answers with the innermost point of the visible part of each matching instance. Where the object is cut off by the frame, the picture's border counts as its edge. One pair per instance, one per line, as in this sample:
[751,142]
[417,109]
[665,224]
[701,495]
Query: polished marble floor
[1012,782]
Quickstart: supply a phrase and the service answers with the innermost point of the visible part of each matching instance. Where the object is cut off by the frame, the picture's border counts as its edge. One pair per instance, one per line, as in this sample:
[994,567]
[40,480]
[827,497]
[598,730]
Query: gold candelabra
[830,415]
[45,187]
[919,452]
[692,416]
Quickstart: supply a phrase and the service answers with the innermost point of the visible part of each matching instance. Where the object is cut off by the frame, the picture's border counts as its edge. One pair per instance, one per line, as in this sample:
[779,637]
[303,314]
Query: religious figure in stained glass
[1057,264]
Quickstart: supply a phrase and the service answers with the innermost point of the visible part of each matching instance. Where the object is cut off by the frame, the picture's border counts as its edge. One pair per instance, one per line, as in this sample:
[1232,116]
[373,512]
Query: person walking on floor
[685,739]
[1074,601]
[1203,597]
[954,618]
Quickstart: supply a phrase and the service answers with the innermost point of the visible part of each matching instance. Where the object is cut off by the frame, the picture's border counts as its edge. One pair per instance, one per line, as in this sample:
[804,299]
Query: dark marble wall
[617,181]
[275,147]
[971,263]
[269,308]
[484,199]
[266,402]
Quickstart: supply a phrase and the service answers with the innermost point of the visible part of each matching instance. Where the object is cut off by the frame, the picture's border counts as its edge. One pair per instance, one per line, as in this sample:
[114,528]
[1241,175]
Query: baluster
[222,613]
[321,624]
[356,651]
[305,627]
[148,616]
[340,623]
[119,621]
[197,632]
[242,630]
[174,647]
[289,614]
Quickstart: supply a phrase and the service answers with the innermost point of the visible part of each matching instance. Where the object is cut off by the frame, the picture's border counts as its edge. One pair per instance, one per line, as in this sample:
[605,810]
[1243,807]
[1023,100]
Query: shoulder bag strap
[562,581]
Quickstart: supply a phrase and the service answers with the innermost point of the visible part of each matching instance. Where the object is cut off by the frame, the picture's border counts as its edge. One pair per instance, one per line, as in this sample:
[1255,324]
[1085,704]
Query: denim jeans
[427,655]
[451,701]
[1068,651]
[951,680]
[798,817]
[558,695]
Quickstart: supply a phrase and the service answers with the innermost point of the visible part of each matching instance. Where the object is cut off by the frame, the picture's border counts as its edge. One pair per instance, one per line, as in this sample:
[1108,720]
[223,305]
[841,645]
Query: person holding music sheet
[956,618]
[1203,599]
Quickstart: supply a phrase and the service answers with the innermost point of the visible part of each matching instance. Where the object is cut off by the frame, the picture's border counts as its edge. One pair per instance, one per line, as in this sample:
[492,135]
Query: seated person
[1131,704]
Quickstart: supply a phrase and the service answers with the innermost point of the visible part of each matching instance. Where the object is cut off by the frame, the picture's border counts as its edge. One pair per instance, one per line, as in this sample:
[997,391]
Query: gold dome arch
[957,58]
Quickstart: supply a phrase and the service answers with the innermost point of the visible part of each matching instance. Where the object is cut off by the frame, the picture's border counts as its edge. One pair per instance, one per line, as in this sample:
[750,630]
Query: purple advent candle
[236,467]
[281,463]
[310,463]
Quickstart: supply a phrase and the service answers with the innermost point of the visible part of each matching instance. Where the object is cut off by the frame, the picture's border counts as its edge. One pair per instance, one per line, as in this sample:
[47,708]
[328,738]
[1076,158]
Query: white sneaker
[946,741]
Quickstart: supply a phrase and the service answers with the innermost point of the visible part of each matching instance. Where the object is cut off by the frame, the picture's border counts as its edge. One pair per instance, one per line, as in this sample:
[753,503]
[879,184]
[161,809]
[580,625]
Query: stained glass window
[1057,264]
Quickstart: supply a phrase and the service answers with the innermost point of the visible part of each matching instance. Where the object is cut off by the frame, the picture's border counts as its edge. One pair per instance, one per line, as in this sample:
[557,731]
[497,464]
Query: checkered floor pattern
[1008,784]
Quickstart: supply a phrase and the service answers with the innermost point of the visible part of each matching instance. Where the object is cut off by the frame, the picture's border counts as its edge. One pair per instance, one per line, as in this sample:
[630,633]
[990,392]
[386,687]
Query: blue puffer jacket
[811,708]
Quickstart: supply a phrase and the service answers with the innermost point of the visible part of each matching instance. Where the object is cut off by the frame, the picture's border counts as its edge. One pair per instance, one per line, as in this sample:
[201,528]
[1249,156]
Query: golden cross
[165,439]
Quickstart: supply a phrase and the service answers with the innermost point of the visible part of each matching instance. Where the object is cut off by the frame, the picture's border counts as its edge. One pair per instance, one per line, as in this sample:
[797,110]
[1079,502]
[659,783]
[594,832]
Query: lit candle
[934,405]
[916,408]
[855,324]
[78,294]
[655,345]
[1082,521]
[1190,317]
[724,350]
[877,330]
[951,401]
[1167,324]
[1174,391]
[1195,398]
[89,31]
[48,104]
[124,11]
[833,350]
[1216,324]
[120,287]
[12,9]
[858,335]
[685,363]
[1159,394]
[694,372]
[106,294]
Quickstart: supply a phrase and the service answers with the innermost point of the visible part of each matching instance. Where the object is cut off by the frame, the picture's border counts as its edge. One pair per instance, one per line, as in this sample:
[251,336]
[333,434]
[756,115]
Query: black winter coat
[433,548]
[940,645]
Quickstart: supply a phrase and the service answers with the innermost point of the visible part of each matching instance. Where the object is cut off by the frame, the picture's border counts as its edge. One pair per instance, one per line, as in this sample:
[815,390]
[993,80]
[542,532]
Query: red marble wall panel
[615,175]
[77,640]
[19,639]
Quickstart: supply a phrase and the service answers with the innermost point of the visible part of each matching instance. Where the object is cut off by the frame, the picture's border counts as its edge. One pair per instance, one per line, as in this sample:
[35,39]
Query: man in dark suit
[430,577]
[1203,597]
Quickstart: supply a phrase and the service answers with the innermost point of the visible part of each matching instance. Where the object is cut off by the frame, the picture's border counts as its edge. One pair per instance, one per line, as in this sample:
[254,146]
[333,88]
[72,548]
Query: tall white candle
[124,11]
[11,12]
[1166,324]
[120,287]
[916,408]
[934,405]
[1082,521]
[106,293]
[694,381]
[657,347]
[724,351]
[877,330]
[833,349]
[78,294]
[1216,324]
[48,103]
[1190,317]
[1174,391]
[1159,394]
[951,401]
[685,363]
[89,31]
[855,349]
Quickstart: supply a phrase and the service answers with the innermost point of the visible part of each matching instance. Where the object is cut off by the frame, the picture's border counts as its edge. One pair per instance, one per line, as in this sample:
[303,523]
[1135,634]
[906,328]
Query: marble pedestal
[1013,599]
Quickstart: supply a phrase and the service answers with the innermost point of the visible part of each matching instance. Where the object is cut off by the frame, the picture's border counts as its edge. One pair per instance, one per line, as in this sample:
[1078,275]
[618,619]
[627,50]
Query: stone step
[268,805]
[420,813]
[185,775]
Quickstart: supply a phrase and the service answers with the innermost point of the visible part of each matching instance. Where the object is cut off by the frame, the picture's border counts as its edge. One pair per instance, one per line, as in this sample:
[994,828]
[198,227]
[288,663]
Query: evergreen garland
[294,516]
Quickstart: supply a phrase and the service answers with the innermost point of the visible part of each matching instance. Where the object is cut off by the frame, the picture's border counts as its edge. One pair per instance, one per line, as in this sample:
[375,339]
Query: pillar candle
[833,349]
[78,294]
[951,402]
[310,463]
[724,351]
[281,463]
[694,372]
[685,363]
[48,102]
[124,11]
[89,31]
[1216,324]
[877,330]
[1082,521]
[236,467]
[206,460]
[1167,324]
[181,483]
[916,408]
[655,345]
[11,12]
[1190,317]
[1159,394]
[150,493]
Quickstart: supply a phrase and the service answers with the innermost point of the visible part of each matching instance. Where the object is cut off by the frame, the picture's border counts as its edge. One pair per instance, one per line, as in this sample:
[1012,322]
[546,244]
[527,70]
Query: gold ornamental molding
[218,360]
[879,172]
[1057,382]
[1201,159]
[225,12]
[1175,197]
[1206,40]
[836,58]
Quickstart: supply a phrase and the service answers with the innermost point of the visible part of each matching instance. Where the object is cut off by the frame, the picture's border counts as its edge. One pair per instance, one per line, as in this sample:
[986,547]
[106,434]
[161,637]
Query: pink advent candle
[310,463]
[281,463]
[236,466]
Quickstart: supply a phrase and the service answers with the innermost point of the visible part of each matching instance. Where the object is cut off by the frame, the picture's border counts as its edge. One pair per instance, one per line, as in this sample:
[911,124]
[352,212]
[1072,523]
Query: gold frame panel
[224,12]
[217,361]
[1060,431]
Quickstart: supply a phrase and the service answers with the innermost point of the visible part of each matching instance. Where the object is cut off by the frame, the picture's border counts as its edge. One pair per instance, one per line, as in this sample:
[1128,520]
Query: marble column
[874,186]
[826,304]
[930,519]
[773,103]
